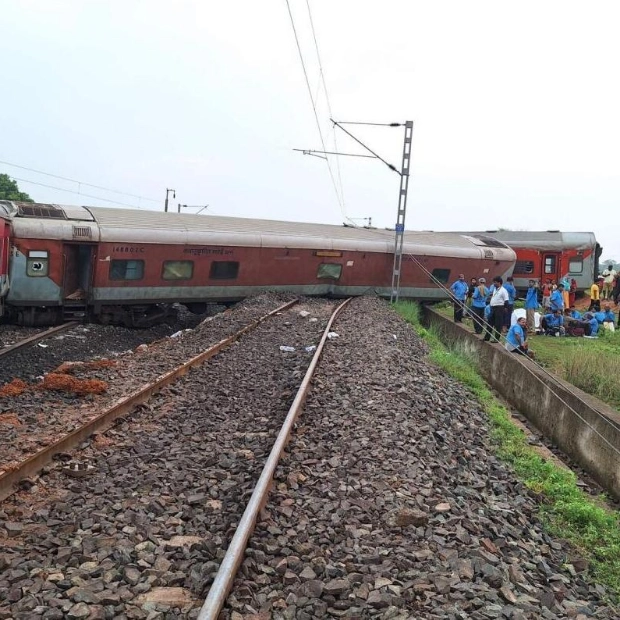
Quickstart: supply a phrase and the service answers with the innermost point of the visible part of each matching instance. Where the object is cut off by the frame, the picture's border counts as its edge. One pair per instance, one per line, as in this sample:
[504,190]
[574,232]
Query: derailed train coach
[551,254]
[127,266]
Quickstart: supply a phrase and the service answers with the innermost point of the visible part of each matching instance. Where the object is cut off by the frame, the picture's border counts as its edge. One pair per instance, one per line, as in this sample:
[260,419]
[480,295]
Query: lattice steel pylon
[402,211]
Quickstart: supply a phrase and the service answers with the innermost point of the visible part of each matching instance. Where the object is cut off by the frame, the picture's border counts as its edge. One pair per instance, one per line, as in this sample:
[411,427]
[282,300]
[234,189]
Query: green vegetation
[591,365]
[566,510]
[10,191]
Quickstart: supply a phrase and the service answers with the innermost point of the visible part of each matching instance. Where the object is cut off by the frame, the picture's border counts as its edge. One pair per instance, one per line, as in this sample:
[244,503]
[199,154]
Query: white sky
[516,107]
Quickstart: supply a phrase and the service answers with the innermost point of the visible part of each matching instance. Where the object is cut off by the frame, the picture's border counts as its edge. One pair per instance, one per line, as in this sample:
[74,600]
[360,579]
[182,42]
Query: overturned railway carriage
[551,254]
[127,266]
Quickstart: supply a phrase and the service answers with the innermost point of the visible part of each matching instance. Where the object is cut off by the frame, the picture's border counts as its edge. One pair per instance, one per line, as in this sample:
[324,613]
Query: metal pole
[399,234]
[174,195]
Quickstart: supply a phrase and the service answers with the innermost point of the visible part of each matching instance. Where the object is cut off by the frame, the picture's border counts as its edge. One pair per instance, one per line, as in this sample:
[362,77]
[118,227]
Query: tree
[10,191]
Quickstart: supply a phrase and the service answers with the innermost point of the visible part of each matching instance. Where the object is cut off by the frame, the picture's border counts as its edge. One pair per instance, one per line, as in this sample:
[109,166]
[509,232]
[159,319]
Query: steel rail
[40,336]
[37,461]
[234,554]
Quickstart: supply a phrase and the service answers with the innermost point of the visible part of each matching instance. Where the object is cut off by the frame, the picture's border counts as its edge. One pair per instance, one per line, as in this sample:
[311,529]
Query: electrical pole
[399,228]
[402,212]
[174,195]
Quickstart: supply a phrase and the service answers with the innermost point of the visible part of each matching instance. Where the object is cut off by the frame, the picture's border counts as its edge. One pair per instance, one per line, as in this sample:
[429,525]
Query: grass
[566,511]
[591,365]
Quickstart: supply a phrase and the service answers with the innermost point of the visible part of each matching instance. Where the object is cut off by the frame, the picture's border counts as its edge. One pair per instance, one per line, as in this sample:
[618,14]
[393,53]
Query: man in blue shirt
[478,303]
[575,314]
[609,319]
[591,319]
[531,305]
[557,299]
[515,338]
[459,291]
[554,324]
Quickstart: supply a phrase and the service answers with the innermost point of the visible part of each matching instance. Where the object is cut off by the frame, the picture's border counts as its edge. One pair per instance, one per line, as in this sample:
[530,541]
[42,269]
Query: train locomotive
[127,266]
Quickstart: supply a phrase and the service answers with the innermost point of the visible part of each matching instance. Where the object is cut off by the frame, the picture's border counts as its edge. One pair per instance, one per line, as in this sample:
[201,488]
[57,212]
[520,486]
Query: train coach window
[550,264]
[524,267]
[126,270]
[224,270]
[178,270]
[575,265]
[443,275]
[330,271]
[37,264]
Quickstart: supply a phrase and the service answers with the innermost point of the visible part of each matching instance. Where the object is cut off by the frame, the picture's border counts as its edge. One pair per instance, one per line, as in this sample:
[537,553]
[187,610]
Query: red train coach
[552,254]
[127,266]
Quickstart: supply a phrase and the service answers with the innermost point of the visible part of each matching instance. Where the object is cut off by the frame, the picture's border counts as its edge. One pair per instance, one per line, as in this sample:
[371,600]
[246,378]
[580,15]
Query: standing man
[531,305]
[473,283]
[595,297]
[499,301]
[478,304]
[556,302]
[512,295]
[608,281]
[459,291]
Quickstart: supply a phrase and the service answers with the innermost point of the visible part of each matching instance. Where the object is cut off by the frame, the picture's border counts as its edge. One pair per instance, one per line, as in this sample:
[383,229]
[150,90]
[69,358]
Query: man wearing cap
[531,305]
[478,303]
[499,300]
[459,291]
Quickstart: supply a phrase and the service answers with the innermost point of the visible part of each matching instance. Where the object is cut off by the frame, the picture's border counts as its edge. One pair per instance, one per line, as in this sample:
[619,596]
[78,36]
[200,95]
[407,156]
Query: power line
[56,176]
[316,116]
[71,191]
[329,106]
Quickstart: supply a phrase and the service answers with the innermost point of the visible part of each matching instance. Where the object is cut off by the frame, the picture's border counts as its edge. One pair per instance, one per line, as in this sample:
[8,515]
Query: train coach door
[78,273]
[551,267]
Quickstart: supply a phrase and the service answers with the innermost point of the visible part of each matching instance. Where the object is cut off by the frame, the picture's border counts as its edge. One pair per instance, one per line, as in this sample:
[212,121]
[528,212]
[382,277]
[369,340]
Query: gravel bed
[36,418]
[84,342]
[392,504]
[12,334]
[149,522]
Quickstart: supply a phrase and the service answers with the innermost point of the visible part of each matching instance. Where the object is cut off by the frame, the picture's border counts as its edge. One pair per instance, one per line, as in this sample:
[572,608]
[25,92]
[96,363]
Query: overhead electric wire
[553,379]
[71,191]
[329,106]
[56,176]
[316,116]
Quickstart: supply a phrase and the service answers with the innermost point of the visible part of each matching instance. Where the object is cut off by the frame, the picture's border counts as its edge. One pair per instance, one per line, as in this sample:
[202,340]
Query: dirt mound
[59,382]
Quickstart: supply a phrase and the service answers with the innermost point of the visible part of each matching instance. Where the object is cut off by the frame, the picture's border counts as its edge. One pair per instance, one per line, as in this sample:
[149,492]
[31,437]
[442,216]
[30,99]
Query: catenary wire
[316,116]
[553,379]
[329,106]
[71,191]
[56,176]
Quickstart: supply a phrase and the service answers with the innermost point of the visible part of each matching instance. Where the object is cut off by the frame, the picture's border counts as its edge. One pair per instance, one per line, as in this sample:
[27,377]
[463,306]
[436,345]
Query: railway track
[10,479]
[390,502]
[34,339]
[179,470]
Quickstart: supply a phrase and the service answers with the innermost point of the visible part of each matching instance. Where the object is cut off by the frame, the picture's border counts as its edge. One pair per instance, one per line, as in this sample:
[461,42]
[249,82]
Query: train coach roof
[543,240]
[154,226]
[140,226]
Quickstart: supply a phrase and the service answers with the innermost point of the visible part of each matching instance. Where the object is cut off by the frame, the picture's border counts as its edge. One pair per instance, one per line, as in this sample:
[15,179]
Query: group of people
[492,310]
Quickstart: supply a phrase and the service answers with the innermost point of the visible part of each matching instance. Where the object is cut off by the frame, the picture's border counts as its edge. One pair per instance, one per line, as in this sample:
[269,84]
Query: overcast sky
[516,107]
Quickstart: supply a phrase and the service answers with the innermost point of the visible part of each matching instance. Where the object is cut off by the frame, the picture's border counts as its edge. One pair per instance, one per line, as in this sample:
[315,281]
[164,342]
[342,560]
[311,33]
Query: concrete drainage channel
[584,428]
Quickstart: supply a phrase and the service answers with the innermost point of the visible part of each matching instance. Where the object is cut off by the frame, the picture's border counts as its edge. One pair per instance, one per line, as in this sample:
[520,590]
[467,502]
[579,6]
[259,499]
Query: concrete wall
[562,413]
